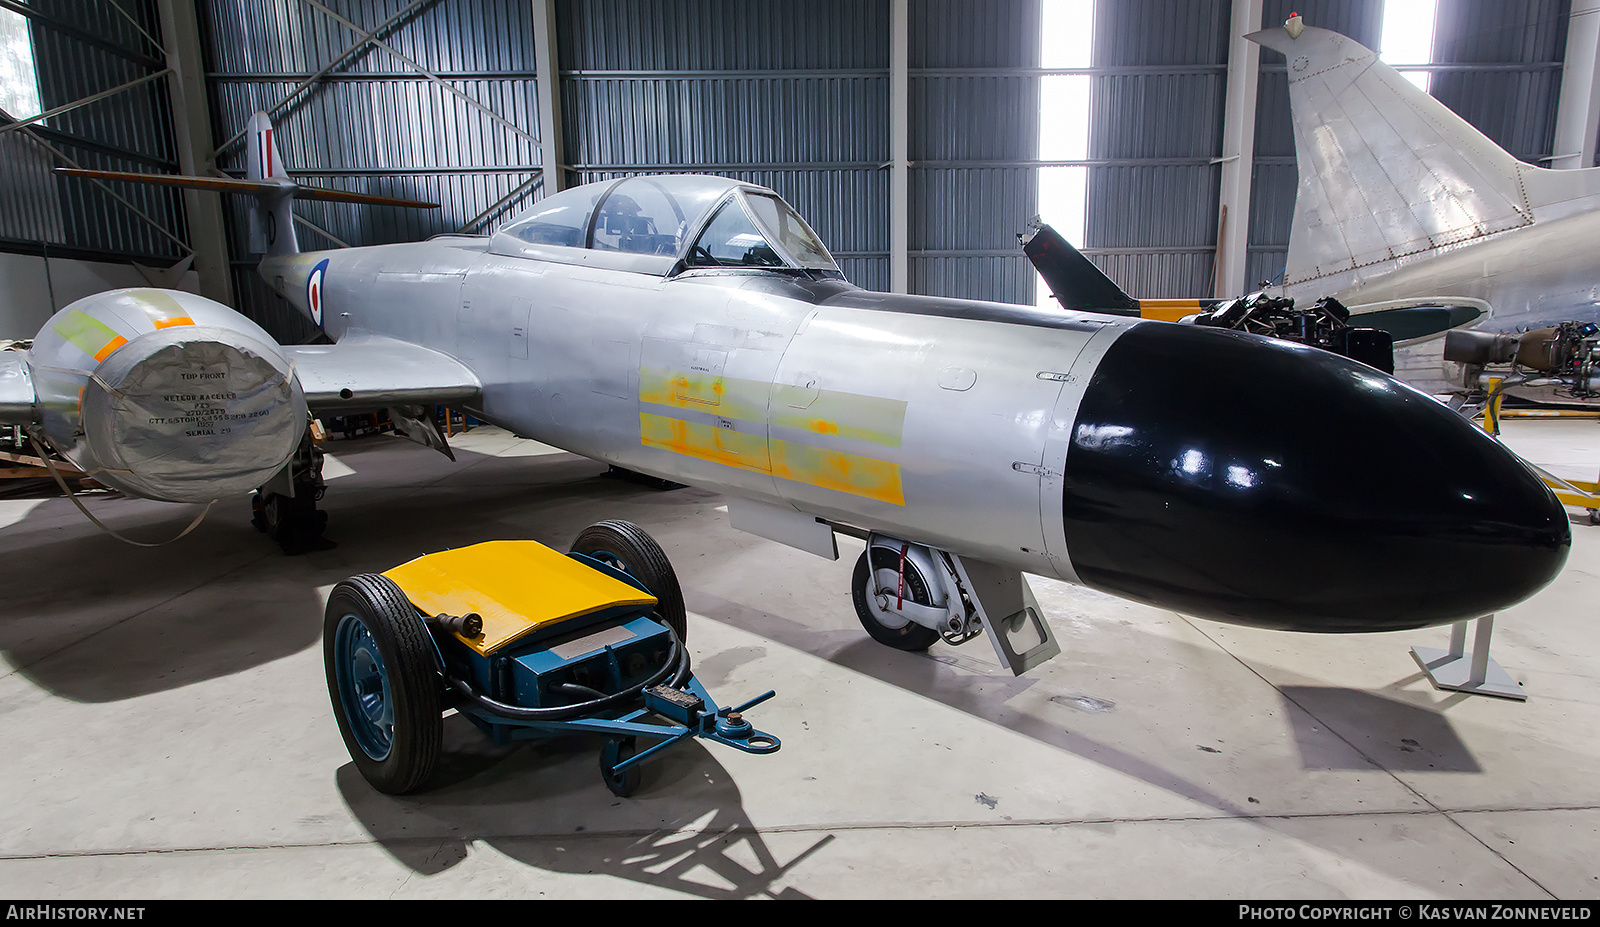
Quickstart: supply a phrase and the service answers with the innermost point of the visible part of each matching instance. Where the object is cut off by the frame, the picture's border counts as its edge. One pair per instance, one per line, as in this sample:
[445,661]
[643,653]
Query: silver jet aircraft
[1415,220]
[694,329]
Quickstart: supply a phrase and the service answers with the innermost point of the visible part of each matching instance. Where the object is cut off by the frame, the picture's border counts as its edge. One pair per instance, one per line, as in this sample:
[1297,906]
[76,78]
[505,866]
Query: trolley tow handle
[653,749]
[748,705]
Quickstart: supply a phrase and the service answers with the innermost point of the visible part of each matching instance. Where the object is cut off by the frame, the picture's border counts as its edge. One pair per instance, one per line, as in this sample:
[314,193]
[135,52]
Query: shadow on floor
[685,829]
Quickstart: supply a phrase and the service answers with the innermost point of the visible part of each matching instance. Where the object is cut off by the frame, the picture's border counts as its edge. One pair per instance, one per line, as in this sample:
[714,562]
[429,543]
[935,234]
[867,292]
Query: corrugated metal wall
[380,123]
[974,135]
[1505,69]
[1159,87]
[1275,179]
[794,96]
[81,49]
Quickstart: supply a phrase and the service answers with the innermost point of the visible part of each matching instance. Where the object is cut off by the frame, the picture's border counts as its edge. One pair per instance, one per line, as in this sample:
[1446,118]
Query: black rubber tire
[642,558]
[912,636]
[414,685]
[296,524]
[615,751]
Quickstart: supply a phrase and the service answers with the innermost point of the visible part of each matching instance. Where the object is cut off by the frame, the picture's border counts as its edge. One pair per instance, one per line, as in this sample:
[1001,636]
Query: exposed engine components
[1325,325]
[1562,355]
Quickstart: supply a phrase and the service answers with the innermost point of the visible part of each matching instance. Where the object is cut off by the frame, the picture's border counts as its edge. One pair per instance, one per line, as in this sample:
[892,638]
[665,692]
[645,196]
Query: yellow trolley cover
[517,587]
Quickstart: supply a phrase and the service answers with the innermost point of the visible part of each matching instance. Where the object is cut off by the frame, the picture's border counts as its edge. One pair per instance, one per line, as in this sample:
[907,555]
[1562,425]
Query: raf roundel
[314,292]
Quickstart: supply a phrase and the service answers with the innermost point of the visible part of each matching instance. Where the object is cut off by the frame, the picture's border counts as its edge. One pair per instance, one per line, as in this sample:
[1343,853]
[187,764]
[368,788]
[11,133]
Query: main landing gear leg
[285,509]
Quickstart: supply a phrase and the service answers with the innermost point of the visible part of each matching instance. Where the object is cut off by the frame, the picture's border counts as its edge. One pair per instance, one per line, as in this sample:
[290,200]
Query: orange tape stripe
[111,345]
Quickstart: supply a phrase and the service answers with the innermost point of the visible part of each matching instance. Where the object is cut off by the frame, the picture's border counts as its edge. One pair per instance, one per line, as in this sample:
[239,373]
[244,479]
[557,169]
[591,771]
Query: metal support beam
[92,98]
[31,136]
[418,67]
[547,73]
[362,41]
[191,127]
[1578,109]
[899,134]
[1238,150]
[81,35]
[518,193]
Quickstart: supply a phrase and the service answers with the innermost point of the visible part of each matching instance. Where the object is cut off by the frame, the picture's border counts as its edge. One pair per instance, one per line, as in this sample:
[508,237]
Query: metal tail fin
[272,212]
[264,160]
[1385,170]
[1073,279]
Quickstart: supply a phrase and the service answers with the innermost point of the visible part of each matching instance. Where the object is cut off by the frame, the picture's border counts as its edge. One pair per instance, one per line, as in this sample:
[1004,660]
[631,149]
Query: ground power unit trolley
[527,643]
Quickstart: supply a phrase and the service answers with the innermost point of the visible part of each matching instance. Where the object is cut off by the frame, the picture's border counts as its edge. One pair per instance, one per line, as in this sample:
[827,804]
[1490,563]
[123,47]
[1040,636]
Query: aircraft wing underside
[16,389]
[370,373]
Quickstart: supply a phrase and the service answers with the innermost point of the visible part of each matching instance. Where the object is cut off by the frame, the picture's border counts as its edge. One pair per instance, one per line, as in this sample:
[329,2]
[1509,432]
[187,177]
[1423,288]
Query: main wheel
[886,627]
[626,546]
[295,523]
[383,682]
[616,750]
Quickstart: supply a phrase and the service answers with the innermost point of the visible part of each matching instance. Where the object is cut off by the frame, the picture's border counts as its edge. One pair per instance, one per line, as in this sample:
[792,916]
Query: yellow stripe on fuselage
[837,470]
[826,412]
[705,442]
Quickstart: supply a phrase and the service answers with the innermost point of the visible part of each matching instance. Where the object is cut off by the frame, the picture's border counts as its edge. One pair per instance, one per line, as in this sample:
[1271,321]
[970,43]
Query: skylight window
[1408,38]
[19,80]
[1066,41]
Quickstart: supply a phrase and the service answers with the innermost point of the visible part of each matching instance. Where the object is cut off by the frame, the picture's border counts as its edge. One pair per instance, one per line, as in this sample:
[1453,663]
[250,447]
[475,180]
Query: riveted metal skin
[1263,483]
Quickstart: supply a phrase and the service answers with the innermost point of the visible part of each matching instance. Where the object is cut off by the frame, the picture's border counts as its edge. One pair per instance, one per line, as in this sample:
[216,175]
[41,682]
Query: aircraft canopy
[655,224]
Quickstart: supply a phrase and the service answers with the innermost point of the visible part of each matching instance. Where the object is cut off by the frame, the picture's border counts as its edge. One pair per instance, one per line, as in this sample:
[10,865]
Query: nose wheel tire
[383,683]
[627,547]
[884,626]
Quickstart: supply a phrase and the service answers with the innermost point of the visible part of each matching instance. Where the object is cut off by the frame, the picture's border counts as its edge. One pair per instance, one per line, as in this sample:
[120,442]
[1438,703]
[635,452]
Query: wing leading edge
[369,373]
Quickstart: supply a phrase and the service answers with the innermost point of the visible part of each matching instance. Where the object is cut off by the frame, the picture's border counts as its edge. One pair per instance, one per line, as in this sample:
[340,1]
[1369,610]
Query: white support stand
[1473,672]
[1010,614]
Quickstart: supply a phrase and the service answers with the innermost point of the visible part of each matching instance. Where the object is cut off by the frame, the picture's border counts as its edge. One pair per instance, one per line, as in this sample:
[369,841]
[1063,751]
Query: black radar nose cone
[1266,483]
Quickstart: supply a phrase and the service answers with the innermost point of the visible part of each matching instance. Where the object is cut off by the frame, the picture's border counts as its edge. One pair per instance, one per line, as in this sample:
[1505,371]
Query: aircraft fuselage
[1147,459]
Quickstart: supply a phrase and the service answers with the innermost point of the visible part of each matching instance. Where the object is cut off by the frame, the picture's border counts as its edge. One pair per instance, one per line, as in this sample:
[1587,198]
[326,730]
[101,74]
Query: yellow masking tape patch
[703,441]
[729,397]
[823,412]
[161,308]
[790,460]
[88,334]
[847,415]
[851,473]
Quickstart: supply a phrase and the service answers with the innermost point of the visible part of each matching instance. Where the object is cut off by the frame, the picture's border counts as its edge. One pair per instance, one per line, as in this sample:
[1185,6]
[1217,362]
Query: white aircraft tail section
[264,161]
[272,212]
[1386,171]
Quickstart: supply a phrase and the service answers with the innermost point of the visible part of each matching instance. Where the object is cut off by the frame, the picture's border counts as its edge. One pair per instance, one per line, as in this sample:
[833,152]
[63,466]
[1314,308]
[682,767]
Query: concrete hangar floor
[167,731]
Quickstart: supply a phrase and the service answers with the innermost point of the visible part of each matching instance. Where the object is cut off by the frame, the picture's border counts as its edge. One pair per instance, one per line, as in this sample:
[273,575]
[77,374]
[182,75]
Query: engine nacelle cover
[167,395]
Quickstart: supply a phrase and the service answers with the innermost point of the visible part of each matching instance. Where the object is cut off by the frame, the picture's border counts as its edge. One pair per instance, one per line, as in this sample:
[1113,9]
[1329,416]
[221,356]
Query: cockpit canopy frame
[658,225]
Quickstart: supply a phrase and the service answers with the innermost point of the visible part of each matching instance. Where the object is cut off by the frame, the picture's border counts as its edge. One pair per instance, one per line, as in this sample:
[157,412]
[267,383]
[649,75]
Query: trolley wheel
[626,546]
[616,750]
[383,681]
[885,627]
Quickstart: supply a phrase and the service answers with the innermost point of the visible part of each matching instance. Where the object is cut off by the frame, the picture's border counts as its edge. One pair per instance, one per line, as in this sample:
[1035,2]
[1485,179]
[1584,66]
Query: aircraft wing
[371,373]
[16,389]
